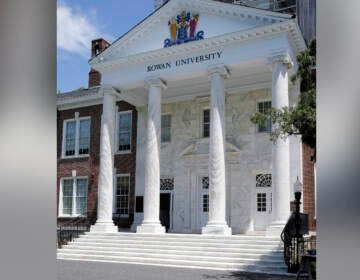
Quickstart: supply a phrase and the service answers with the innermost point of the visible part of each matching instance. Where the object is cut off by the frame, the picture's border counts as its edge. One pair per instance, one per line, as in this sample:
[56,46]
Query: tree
[300,119]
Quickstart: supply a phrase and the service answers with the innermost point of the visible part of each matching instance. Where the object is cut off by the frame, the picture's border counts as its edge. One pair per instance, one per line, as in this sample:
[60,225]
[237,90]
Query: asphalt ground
[79,270]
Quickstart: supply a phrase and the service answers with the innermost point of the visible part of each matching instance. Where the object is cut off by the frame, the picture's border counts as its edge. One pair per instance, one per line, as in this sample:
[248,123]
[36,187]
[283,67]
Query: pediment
[201,18]
[200,149]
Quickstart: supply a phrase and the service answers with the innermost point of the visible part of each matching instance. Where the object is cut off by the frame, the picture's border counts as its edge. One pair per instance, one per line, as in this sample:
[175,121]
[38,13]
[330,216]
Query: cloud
[75,31]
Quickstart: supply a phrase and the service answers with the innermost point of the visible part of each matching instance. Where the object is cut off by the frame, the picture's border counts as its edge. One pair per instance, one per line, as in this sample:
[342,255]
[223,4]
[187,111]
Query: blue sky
[81,21]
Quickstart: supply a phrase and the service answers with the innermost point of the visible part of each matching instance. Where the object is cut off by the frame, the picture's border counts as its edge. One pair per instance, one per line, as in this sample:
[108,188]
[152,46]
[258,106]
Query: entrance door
[263,201]
[165,199]
[203,201]
[263,208]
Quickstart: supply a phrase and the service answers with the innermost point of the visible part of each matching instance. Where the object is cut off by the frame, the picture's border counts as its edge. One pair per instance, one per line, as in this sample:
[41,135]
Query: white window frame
[118,131]
[257,110]
[161,135]
[202,122]
[77,120]
[115,196]
[73,214]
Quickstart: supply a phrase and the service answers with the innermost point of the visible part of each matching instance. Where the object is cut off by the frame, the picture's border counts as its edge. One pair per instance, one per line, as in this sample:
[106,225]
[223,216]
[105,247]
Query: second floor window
[265,107]
[76,137]
[124,138]
[165,128]
[206,123]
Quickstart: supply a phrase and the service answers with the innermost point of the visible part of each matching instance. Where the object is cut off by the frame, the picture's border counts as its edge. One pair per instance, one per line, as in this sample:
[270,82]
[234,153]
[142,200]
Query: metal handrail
[69,230]
[295,244]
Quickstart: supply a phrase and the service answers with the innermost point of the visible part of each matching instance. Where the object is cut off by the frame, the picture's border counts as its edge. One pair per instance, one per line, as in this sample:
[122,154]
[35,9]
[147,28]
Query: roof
[78,93]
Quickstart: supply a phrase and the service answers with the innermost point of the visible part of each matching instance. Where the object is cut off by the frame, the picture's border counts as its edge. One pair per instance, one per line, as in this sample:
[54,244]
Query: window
[261,202]
[263,180]
[205,188]
[264,107]
[167,184]
[205,183]
[205,203]
[122,195]
[84,137]
[76,137]
[165,128]
[74,197]
[124,137]
[206,123]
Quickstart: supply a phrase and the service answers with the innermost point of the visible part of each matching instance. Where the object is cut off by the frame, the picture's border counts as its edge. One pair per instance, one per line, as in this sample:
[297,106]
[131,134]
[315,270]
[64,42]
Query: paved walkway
[77,270]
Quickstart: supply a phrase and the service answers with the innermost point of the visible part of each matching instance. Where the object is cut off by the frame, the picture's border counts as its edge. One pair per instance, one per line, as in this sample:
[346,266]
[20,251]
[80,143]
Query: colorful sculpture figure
[193,22]
[179,28]
[173,28]
[183,25]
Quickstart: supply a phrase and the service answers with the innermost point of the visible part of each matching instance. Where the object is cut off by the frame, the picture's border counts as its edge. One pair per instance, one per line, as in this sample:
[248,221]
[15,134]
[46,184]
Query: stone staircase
[236,252]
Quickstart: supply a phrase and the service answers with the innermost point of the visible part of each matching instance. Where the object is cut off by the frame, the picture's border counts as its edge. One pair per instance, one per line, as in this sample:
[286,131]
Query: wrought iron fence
[296,245]
[69,230]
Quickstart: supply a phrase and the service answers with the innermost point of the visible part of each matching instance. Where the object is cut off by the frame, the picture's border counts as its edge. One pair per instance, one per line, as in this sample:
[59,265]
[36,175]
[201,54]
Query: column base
[153,228]
[275,228]
[216,229]
[104,227]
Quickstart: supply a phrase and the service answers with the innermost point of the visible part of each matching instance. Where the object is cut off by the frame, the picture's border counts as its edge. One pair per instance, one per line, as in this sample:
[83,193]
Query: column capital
[156,82]
[219,69]
[283,58]
[109,89]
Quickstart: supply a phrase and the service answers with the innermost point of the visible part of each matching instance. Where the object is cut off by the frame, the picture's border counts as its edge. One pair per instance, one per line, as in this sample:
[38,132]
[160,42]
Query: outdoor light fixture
[297,191]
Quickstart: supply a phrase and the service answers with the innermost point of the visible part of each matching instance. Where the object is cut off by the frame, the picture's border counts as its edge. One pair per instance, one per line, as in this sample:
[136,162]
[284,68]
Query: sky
[79,22]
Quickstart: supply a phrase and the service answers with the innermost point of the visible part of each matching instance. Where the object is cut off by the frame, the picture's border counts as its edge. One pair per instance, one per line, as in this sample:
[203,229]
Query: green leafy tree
[301,119]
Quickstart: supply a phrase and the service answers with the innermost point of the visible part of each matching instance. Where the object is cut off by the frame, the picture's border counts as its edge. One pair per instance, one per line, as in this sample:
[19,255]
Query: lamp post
[297,192]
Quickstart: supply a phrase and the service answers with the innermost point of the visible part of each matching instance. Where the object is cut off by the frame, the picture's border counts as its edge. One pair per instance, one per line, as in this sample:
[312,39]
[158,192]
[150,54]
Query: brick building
[78,152]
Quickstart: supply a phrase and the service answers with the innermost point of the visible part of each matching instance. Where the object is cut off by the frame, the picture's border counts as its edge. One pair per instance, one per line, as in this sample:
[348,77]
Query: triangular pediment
[184,21]
[201,149]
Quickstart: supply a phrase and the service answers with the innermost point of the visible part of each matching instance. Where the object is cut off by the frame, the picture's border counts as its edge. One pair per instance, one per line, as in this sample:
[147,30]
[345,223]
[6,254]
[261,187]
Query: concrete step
[271,257]
[217,244]
[181,239]
[189,257]
[191,247]
[245,266]
[248,253]
[185,236]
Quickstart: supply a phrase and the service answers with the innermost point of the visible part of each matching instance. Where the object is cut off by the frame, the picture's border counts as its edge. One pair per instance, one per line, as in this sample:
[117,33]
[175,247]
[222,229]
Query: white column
[217,189]
[151,222]
[281,148]
[104,222]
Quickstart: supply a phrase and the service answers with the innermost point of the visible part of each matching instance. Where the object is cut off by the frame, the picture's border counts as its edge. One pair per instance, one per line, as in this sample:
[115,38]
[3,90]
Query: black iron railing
[295,244]
[69,230]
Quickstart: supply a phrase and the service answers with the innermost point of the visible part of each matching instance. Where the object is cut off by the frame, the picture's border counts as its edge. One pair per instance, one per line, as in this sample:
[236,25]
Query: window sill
[72,216]
[75,157]
[117,216]
[123,152]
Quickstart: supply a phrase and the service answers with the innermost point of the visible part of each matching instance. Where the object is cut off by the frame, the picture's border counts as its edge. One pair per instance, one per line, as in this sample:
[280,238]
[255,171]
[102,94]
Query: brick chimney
[97,47]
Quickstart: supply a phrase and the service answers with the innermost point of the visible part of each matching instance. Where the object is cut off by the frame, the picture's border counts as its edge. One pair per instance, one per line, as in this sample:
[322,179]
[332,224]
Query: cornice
[289,27]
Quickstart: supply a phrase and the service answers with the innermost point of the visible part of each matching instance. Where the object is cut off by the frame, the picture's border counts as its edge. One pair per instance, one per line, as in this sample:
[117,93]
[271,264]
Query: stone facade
[185,159]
